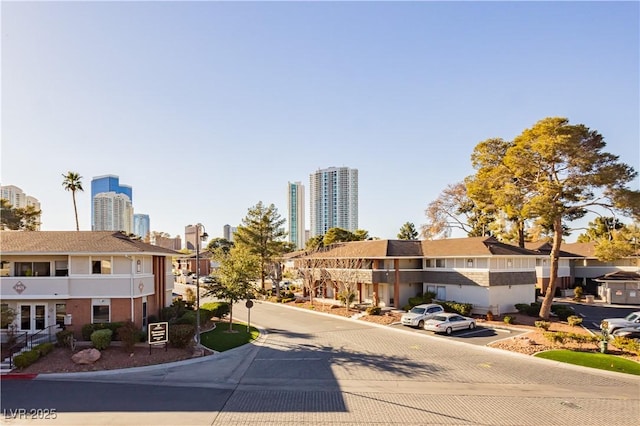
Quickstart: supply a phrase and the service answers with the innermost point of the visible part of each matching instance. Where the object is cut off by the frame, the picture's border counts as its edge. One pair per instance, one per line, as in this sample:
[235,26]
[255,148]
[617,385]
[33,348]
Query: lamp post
[198,237]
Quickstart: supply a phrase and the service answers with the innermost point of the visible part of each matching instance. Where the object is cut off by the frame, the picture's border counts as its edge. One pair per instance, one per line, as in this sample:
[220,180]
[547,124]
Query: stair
[6,365]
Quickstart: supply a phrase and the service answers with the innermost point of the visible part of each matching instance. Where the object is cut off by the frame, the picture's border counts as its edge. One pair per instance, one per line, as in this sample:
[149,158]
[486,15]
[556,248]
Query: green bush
[218,309]
[530,309]
[44,348]
[574,320]
[627,345]
[88,329]
[374,310]
[421,299]
[562,311]
[556,337]
[175,310]
[459,308]
[181,335]
[509,319]
[578,292]
[129,335]
[64,338]
[101,339]
[543,325]
[25,359]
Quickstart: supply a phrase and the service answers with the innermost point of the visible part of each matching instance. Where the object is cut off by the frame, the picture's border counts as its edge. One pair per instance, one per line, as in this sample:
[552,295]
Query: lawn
[220,339]
[593,360]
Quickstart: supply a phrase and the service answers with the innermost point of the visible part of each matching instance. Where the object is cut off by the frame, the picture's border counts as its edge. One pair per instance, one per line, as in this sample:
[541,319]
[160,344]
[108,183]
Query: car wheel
[420,324]
[472,326]
[449,330]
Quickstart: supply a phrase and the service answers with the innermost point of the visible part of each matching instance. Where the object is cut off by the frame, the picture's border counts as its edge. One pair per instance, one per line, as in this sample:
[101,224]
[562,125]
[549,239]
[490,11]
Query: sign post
[158,333]
[249,305]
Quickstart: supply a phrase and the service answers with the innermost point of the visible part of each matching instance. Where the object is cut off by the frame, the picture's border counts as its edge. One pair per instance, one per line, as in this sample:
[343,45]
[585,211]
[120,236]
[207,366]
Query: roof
[472,246]
[620,276]
[76,242]
[451,247]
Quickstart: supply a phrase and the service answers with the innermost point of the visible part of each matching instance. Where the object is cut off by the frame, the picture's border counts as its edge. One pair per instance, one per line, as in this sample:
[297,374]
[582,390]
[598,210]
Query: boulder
[86,356]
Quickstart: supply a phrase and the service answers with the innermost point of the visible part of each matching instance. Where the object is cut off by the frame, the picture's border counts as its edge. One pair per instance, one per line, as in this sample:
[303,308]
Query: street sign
[158,333]
[249,304]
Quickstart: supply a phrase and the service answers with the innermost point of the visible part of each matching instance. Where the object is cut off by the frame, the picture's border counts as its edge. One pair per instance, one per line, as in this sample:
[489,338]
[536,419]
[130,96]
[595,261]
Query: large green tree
[600,227]
[73,182]
[219,243]
[558,171]
[408,232]
[261,233]
[233,279]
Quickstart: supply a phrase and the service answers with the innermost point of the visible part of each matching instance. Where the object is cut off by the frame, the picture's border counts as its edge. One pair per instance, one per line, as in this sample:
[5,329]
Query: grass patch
[593,360]
[219,339]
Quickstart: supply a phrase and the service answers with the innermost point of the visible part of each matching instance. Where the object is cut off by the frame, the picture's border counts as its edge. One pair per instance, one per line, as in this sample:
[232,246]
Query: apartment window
[440,263]
[101,313]
[144,313]
[32,269]
[428,263]
[61,311]
[62,268]
[469,263]
[101,267]
[138,266]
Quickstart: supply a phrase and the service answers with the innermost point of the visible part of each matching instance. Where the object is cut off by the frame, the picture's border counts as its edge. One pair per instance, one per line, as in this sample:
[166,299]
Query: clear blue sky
[207,108]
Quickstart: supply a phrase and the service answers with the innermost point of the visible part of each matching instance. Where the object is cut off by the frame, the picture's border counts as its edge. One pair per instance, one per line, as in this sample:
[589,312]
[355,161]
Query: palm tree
[73,183]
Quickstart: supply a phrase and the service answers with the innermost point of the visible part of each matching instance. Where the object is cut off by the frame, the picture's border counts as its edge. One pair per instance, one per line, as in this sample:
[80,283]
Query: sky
[207,108]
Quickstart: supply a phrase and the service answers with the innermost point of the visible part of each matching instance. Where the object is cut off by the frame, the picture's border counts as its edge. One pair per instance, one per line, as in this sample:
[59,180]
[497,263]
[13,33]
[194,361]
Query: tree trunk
[230,316]
[75,209]
[521,234]
[545,309]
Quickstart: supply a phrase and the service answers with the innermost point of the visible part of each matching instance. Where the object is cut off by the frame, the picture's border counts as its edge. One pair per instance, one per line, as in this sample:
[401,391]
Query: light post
[198,237]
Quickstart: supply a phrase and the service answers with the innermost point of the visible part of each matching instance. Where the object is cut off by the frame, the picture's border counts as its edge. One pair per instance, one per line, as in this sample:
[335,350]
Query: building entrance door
[33,317]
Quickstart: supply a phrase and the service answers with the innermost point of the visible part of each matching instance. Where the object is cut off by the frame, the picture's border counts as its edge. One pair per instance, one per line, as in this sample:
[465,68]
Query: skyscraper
[111,205]
[295,197]
[333,199]
[141,225]
[112,212]
[19,200]
[228,231]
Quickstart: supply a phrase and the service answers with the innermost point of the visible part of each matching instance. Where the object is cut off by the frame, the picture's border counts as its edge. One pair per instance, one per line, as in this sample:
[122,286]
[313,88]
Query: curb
[18,376]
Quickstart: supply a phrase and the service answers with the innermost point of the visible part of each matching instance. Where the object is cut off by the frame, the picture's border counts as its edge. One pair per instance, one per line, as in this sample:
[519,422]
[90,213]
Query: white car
[631,320]
[419,314]
[448,323]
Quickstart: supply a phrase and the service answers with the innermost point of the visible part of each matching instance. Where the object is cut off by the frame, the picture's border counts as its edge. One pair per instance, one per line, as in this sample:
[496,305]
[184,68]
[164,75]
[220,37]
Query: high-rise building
[333,198]
[19,200]
[141,225]
[112,212]
[228,231]
[295,197]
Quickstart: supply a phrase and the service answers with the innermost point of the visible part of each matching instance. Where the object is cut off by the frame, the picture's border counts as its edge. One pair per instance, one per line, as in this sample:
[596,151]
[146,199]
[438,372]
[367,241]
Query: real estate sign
[158,333]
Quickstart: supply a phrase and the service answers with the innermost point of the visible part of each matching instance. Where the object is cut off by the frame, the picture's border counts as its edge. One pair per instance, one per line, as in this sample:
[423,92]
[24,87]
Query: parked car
[448,323]
[628,332]
[631,320]
[419,314]
[206,279]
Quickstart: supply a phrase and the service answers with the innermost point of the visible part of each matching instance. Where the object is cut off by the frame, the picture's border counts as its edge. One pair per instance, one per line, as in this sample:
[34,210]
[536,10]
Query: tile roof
[451,247]
[65,242]
[619,276]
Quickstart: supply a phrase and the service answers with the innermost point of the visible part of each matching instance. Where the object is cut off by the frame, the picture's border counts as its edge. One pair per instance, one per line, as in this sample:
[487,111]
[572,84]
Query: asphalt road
[310,368]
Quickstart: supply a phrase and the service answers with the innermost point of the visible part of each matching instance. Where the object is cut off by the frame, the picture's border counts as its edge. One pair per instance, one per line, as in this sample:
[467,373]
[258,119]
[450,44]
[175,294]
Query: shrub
[574,320]
[556,337]
[181,335]
[217,309]
[509,319]
[627,345]
[532,309]
[88,329]
[25,359]
[420,299]
[63,338]
[374,310]
[578,292]
[101,339]
[459,308]
[129,335]
[489,316]
[44,348]
[562,311]
[543,325]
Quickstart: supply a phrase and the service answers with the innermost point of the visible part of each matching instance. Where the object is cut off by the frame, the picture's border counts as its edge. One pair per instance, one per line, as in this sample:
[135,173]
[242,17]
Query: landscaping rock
[86,356]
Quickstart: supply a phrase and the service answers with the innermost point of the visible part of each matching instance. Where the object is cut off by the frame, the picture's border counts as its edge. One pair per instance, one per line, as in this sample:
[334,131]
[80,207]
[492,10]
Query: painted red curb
[18,376]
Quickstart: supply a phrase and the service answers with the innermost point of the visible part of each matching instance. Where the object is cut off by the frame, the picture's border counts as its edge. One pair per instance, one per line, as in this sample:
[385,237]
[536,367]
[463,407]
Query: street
[311,368]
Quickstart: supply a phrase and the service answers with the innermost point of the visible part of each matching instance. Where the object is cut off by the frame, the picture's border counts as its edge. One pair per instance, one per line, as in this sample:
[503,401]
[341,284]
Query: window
[5,311]
[62,268]
[32,269]
[138,266]
[144,313]
[101,267]
[469,263]
[428,263]
[100,314]
[440,263]
[61,311]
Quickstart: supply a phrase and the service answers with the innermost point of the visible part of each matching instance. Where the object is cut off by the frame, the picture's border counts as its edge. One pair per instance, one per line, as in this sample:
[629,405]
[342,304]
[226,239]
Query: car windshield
[417,311]
[632,316]
[440,318]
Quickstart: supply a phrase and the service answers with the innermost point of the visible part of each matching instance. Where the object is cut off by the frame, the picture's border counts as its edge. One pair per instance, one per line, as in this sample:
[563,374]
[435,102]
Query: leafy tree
[558,171]
[360,235]
[26,218]
[315,243]
[454,209]
[408,232]
[340,235]
[219,243]
[72,182]
[618,243]
[233,280]
[600,227]
[261,233]
[7,316]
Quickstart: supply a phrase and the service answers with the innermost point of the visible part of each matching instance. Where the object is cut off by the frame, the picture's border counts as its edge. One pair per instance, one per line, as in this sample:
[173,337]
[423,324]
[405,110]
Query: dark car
[628,332]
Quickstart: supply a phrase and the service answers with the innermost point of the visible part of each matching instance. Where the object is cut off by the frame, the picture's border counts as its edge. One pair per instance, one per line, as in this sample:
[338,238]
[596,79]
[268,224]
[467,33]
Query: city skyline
[207,108]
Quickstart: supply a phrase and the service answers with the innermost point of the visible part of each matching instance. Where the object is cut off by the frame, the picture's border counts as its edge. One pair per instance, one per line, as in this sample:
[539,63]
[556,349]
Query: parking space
[479,336]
